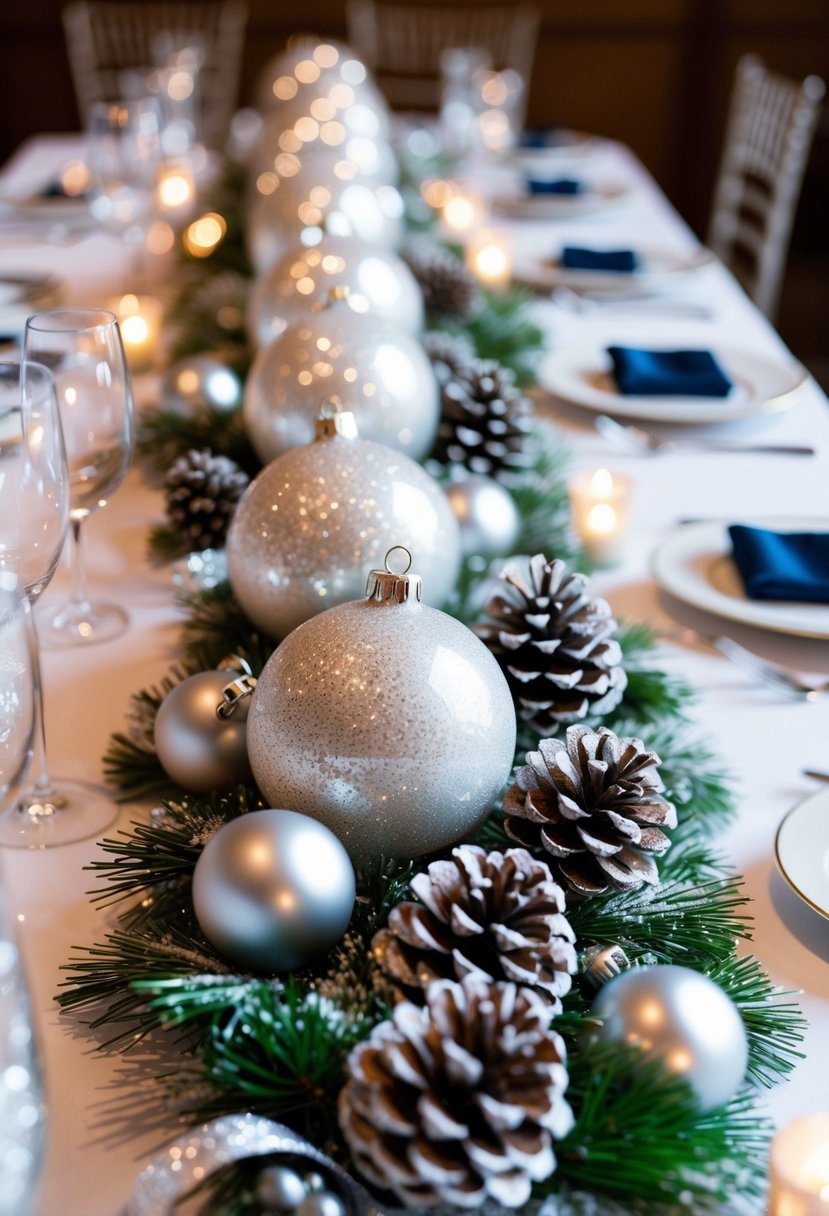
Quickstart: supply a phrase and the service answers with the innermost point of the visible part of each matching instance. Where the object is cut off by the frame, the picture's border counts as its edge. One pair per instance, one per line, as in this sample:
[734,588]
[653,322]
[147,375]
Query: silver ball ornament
[386,719]
[374,369]
[322,1203]
[199,750]
[272,889]
[378,282]
[297,77]
[280,1189]
[316,519]
[487,514]
[684,1019]
[199,381]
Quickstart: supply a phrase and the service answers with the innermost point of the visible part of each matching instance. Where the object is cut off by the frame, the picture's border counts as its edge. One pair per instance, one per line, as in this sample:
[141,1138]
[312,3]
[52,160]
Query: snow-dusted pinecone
[484,420]
[459,1101]
[451,354]
[594,803]
[554,643]
[497,915]
[449,288]
[201,491]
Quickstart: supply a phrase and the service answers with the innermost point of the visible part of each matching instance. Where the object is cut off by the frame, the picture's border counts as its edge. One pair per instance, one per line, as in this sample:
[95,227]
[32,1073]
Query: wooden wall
[654,73]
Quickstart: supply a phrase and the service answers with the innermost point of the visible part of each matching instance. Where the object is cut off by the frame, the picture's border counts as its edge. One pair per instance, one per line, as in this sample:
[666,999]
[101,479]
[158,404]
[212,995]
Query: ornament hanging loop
[235,662]
[233,694]
[398,549]
[334,420]
[387,585]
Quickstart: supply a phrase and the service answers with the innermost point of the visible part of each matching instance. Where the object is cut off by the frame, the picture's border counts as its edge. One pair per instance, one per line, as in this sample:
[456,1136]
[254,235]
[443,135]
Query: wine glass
[83,349]
[17,683]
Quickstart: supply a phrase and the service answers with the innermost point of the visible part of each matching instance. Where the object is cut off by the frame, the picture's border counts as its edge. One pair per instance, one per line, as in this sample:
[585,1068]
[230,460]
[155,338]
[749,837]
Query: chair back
[770,128]
[105,38]
[402,43]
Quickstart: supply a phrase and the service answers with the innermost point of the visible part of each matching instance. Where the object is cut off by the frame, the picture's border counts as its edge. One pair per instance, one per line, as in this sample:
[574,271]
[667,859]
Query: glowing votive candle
[799,1168]
[462,212]
[489,257]
[176,191]
[600,513]
[139,319]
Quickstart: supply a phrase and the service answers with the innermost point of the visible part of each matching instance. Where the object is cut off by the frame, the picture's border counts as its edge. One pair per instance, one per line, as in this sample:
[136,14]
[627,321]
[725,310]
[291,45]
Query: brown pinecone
[201,491]
[451,354]
[497,915]
[459,1101]
[484,420]
[449,288]
[555,645]
[594,803]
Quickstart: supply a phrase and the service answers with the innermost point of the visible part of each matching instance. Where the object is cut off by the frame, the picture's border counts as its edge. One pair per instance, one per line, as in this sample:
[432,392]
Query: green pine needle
[165,434]
[216,627]
[164,545]
[775,1026]
[503,329]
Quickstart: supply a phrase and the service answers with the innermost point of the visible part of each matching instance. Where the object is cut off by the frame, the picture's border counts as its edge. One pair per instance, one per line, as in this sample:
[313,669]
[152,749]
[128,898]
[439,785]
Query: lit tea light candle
[176,191]
[799,1168]
[600,512]
[462,213]
[139,319]
[489,257]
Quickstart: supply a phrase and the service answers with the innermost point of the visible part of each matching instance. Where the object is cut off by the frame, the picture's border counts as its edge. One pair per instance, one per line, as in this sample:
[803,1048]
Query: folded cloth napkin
[623,261]
[668,373]
[557,185]
[782,565]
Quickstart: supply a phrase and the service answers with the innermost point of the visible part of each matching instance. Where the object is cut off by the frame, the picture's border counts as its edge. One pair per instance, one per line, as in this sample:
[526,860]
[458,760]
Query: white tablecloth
[93,1157]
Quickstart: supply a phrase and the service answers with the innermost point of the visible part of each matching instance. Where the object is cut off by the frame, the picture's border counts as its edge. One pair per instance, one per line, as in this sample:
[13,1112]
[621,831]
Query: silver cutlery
[634,439]
[791,683]
[815,775]
[650,303]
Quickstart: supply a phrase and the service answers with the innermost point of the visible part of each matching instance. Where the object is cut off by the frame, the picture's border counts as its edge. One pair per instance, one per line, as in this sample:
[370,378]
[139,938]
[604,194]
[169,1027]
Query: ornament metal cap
[334,420]
[386,585]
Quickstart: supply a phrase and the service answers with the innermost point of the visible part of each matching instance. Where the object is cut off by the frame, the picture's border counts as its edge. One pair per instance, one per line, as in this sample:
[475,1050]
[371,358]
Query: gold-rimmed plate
[801,849]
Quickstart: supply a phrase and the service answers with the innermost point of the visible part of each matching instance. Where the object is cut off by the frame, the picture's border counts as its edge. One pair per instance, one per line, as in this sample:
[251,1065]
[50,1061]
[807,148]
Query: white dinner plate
[657,269]
[802,851]
[35,206]
[695,565]
[762,385]
[561,206]
[564,146]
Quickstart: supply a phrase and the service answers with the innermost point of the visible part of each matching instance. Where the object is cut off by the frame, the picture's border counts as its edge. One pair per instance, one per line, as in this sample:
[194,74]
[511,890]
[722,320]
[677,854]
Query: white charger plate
[694,564]
[801,848]
[658,268]
[561,206]
[762,385]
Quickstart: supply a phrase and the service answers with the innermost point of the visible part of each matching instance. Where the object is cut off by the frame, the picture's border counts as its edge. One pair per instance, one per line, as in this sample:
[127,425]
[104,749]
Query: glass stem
[79,598]
[41,788]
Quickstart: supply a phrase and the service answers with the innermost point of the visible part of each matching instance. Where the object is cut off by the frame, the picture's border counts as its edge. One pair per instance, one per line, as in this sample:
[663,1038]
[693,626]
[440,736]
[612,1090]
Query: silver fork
[634,439]
[770,674]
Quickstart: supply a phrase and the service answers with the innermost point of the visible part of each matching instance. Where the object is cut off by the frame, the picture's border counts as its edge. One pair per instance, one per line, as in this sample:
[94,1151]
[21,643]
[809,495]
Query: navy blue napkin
[621,261]
[667,373]
[55,189]
[556,185]
[782,565]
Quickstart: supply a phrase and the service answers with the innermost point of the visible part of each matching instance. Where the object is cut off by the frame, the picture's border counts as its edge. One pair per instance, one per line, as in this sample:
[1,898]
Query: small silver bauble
[318,517]
[387,720]
[487,514]
[297,211]
[279,1189]
[322,1203]
[272,889]
[378,283]
[377,371]
[200,749]
[682,1018]
[198,381]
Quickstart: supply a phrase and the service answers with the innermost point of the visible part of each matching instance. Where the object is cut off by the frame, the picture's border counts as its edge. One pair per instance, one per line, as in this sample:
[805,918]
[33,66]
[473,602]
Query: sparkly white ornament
[299,211]
[372,368]
[318,517]
[378,281]
[326,83]
[487,514]
[683,1019]
[350,157]
[387,720]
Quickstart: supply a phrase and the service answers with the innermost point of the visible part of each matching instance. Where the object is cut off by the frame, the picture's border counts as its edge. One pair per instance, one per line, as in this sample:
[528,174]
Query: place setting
[563,193]
[613,272]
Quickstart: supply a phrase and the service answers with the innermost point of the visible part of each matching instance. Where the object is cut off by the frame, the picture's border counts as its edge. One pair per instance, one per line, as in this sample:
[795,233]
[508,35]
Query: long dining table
[766,741]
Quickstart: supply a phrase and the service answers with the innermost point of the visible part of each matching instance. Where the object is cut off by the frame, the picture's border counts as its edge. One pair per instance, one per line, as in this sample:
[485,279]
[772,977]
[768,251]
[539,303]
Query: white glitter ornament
[326,83]
[301,211]
[315,519]
[387,720]
[379,283]
[351,157]
[374,369]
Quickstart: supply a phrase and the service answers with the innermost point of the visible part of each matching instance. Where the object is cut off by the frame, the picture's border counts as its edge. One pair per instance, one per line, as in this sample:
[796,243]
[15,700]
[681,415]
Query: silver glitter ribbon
[199,1153]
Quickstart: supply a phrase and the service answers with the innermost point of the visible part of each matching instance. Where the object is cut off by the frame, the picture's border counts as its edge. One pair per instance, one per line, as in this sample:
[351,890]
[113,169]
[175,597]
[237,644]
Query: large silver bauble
[198,381]
[487,514]
[299,211]
[327,83]
[682,1018]
[273,888]
[377,281]
[200,751]
[390,722]
[378,372]
[316,519]
[348,158]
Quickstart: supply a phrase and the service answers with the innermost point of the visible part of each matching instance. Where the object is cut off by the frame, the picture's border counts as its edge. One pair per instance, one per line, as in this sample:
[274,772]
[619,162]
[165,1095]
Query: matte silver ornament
[272,889]
[387,720]
[199,748]
[199,381]
[322,1203]
[487,515]
[378,281]
[371,367]
[317,518]
[280,1189]
[682,1018]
